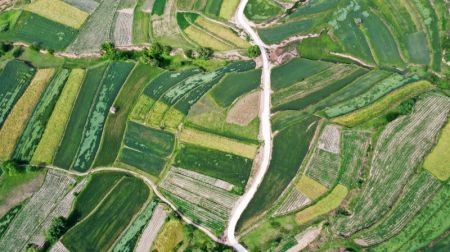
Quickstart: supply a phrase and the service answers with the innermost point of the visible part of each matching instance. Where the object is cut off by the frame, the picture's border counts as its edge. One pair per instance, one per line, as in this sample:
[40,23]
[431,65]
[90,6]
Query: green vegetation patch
[34,29]
[225,166]
[15,77]
[260,10]
[314,7]
[213,7]
[158,7]
[289,149]
[437,162]
[116,123]
[148,163]
[234,85]
[100,230]
[74,130]
[8,218]
[98,187]
[112,81]
[276,34]
[34,130]
[294,71]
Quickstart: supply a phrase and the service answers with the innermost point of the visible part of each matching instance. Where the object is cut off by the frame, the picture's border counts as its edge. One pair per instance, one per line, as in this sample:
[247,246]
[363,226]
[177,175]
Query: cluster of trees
[11,168]
[253,51]
[5,47]
[203,53]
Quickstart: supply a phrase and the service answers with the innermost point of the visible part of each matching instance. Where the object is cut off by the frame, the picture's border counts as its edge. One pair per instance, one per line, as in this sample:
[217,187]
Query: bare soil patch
[245,109]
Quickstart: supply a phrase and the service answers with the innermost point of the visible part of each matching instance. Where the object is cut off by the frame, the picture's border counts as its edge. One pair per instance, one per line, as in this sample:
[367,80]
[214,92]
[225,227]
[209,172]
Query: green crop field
[15,78]
[35,128]
[260,10]
[276,34]
[141,24]
[213,7]
[72,136]
[437,161]
[100,229]
[148,163]
[290,147]
[31,28]
[98,187]
[113,79]
[217,164]
[158,7]
[114,130]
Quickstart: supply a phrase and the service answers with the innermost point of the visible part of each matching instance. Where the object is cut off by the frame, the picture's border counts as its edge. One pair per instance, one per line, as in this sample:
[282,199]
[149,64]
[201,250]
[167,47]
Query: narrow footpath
[265,130]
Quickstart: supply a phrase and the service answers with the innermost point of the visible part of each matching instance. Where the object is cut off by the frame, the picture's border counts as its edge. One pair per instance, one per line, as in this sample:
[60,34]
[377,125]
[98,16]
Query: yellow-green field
[310,188]
[222,32]
[169,237]
[173,118]
[219,143]
[203,39]
[140,111]
[377,108]
[156,114]
[438,161]
[17,119]
[59,11]
[228,8]
[60,116]
[325,205]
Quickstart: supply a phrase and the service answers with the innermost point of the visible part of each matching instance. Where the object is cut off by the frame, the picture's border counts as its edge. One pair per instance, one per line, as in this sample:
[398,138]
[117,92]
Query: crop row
[400,148]
[354,156]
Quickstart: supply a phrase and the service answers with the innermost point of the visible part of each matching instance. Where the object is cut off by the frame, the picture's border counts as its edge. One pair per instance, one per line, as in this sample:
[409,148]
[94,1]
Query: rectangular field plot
[22,111]
[279,33]
[34,130]
[218,143]
[141,22]
[221,165]
[56,125]
[102,228]
[146,148]
[97,28]
[290,147]
[294,201]
[15,78]
[123,28]
[228,8]
[207,204]
[31,28]
[152,229]
[400,149]
[52,9]
[112,81]
[355,146]
[74,130]
[29,220]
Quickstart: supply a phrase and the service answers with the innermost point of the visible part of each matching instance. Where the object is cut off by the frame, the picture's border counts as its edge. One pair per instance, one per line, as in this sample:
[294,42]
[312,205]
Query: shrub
[57,229]
[205,53]
[253,51]
[10,168]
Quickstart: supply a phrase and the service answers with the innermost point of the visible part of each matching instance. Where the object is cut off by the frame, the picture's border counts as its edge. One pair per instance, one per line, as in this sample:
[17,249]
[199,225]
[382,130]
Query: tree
[17,52]
[10,168]
[189,53]
[253,51]
[155,50]
[57,229]
[205,53]
[107,47]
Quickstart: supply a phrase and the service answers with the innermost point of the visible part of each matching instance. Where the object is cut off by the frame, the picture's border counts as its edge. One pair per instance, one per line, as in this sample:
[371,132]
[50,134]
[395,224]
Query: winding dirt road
[265,130]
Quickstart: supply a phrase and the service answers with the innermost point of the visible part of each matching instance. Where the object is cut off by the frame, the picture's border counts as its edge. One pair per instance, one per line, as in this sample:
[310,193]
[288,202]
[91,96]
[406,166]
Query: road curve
[265,130]
[150,183]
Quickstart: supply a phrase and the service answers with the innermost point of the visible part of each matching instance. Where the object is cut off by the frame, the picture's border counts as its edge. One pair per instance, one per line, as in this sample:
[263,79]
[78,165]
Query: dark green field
[217,164]
[101,229]
[148,163]
[14,79]
[96,189]
[276,34]
[234,85]
[289,149]
[74,130]
[213,7]
[115,124]
[158,7]
[35,29]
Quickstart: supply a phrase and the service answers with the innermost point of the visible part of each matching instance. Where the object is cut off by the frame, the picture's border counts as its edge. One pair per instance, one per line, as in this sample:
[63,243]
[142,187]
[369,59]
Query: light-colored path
[151,231]
[265,130]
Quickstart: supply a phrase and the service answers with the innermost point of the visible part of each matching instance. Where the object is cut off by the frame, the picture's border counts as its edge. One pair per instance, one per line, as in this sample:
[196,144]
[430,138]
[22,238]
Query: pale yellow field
[310,188]
[228,8]
[205,40]
[173,118]
[218,142]
[222,32]
[438,161]
[59,11]
[60,116]
[170,235]
[156,114]
[325,205]
[17,120]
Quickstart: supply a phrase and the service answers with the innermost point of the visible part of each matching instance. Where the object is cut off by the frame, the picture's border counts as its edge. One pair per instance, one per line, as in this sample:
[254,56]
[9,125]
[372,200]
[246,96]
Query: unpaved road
[265,130]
